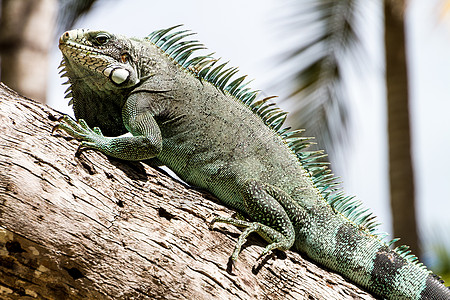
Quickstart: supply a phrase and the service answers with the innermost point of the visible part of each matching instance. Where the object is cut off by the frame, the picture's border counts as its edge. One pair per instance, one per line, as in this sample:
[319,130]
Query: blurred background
[370,79]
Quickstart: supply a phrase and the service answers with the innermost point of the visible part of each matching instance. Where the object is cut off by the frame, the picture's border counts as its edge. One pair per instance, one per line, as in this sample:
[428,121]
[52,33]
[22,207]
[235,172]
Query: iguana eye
[101,39]
[125,57]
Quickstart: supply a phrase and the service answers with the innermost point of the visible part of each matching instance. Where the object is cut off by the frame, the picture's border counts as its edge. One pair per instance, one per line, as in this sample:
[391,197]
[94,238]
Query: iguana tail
[368,261]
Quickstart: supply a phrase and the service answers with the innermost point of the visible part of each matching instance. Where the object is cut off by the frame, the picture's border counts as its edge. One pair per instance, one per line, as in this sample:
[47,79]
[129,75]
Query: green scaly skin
[214,133]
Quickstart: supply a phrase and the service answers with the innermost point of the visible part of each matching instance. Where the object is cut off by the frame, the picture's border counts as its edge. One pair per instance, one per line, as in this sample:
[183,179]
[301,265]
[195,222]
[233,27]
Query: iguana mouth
[75,50]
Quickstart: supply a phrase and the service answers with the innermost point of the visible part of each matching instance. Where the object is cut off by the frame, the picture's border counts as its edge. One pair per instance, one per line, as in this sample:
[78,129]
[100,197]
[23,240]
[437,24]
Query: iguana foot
[273,212]
[265,231]
[80,130]
[140,147]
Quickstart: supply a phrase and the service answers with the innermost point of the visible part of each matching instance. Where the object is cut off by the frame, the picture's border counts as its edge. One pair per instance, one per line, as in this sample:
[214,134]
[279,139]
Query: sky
[248,34]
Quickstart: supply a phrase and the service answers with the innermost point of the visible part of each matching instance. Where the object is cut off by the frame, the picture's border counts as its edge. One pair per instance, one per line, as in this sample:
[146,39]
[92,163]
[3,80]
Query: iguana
[193,114]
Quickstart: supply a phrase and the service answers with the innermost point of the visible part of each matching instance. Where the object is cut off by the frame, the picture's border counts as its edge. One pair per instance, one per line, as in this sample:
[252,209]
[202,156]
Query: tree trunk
[26,33]
[92,227]
[400,161]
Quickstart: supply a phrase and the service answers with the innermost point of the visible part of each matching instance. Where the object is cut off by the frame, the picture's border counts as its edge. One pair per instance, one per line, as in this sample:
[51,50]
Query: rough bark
[87,226]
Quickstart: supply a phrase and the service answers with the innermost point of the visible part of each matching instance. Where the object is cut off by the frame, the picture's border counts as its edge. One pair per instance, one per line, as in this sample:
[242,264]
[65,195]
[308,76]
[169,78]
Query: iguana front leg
[145,143]
[275,216]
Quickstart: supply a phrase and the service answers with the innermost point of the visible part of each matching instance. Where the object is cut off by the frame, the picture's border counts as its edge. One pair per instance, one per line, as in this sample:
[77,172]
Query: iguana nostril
[64,37]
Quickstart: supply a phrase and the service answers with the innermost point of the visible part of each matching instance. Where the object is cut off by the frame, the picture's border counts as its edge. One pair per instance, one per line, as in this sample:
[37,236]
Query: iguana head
[102,68]
[104,56]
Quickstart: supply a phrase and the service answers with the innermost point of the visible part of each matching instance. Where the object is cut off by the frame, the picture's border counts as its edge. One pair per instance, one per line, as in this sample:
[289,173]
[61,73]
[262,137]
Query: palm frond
[70,11]
[329,43]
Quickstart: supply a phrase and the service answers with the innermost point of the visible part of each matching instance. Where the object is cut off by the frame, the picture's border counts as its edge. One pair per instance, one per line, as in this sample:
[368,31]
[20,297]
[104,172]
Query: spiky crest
[206,67]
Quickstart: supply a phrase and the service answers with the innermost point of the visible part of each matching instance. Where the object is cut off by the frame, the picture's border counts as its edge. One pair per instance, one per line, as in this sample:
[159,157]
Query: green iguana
[192,114]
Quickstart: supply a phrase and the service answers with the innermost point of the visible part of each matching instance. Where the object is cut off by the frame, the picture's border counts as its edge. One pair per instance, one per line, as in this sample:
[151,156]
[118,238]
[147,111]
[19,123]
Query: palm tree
[332,44]
[400,162]
[27,30]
